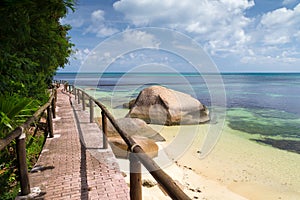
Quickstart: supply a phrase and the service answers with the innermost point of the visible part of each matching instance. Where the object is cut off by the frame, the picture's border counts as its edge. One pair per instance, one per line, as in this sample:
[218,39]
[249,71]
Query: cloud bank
[223,27]
[228,30]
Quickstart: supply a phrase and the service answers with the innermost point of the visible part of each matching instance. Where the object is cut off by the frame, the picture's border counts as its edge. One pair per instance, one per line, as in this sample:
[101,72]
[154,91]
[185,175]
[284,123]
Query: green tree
[33,44]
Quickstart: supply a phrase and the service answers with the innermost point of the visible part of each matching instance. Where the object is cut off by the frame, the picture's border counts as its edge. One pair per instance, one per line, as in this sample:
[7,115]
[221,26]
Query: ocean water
[263,105]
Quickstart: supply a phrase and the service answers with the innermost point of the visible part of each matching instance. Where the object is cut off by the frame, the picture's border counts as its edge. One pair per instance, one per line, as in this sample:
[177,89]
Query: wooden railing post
[104,129]
[78,92]
[135,178]
[75,92]
[55,95]
[70,88]
[66,84]
[53,104]
[22,164]
[50,122]
[91,110]
[167,183]
[83,101]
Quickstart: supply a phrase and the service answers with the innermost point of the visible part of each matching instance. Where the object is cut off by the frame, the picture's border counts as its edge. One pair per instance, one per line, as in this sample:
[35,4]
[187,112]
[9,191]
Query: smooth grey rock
[134,126]
[160,105]
[120,148]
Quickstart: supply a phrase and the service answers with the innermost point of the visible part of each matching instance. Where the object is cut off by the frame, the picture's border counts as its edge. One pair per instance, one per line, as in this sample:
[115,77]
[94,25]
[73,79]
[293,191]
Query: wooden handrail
[168,184]
[20,137]
[16,132]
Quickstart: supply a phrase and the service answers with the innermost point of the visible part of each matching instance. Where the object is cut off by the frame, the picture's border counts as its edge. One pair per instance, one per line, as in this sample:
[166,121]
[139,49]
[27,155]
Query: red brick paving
[69,170]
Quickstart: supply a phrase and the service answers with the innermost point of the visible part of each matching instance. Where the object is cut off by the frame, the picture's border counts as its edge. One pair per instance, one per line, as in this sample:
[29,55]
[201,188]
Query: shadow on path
[83,168]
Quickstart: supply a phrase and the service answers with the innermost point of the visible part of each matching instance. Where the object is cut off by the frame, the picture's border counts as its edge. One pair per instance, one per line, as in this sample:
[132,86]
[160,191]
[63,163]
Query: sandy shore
[237,168]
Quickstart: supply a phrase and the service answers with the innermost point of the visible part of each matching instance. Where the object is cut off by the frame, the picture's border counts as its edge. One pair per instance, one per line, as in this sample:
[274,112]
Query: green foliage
[14,110]
[34,148]
[33,44]
[8,165]
[8,173]
[11,195]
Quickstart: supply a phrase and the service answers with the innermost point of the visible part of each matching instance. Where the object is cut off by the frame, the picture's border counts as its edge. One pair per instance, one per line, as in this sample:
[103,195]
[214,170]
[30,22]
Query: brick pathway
[74,166]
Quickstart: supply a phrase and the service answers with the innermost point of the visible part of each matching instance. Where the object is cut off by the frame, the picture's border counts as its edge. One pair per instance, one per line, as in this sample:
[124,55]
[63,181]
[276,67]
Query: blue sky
[238,35]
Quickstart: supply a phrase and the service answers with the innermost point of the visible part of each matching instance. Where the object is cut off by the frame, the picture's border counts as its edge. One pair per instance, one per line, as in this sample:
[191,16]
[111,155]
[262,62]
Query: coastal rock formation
[160,105]
[134,126]
[129,104]
[120,148]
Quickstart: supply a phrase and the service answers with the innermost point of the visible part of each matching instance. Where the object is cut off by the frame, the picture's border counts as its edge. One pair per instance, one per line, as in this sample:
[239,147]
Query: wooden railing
[137,154]
[19,135]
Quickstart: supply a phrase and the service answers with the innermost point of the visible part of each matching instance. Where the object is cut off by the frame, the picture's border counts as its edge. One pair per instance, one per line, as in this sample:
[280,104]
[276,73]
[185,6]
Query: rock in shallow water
[120,148]
[160,105]
[134,126]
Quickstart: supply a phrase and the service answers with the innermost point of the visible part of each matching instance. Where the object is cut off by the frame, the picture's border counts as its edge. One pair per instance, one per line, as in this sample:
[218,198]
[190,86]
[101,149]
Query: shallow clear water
[261,104]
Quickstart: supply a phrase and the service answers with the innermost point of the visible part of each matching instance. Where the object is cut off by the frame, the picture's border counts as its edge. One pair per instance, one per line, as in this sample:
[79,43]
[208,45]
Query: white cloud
[98,16]
[140,39]
[280,26]
[74,22]
[278,18]
[278,60]
[106,31]
[297,36]
[274,41]
[211,22]
[107,54]
[115,47]
[86,51]
[80,55]
[98,25]
[179,12]
[223,28]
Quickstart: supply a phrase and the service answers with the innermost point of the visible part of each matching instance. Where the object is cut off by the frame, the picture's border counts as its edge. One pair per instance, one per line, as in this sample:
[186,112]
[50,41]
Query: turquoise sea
[264,105]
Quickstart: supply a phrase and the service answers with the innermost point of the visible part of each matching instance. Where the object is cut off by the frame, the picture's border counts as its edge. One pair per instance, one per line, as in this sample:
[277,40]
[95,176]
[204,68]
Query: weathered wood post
[70,88]
[66,84]
[104,129]
[75,92]
[22,164]
[53,106]
[135,178]
[78,92]
[50,122]
[55,94]
[91,110]
[53,103]
[83,100]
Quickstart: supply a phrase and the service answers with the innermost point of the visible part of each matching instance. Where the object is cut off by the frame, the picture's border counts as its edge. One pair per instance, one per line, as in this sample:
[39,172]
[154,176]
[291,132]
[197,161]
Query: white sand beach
[237,168]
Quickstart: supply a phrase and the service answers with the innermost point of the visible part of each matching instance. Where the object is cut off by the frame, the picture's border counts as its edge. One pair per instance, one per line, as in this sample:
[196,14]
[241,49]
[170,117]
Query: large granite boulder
[160,105]
[133,126]
[129,104]
[120,148]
